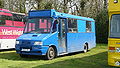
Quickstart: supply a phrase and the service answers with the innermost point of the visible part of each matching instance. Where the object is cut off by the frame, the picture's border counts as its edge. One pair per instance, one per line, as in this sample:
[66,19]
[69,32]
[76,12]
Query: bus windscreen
[38,25]
[115,26]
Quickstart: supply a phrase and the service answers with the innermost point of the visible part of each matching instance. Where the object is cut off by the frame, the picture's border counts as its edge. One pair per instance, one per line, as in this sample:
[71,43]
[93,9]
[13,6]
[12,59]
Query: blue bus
[51,33]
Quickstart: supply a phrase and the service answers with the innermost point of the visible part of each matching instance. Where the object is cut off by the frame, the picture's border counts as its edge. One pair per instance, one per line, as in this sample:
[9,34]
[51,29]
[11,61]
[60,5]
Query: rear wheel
[23,56]
[85,48]
[50,53]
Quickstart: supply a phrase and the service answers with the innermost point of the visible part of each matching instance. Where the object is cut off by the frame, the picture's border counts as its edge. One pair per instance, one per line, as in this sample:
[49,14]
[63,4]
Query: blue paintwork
[39,14]
[81,26]
[63,15]
[47,39]
[27,41]
[74,41]
[54,14]
[93,27]
[38,37]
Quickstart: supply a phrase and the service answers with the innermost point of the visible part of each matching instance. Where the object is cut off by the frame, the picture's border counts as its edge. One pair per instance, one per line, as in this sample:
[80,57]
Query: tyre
[50,53]
[85,48]
[23,56]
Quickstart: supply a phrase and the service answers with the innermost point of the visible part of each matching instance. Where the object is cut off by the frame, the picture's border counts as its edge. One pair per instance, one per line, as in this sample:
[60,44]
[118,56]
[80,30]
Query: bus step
[64,53]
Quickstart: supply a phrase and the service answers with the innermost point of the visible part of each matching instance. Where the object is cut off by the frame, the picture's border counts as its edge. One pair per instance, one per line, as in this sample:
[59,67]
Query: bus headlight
[112,49]
[17,42]
[115,1]
[38,43]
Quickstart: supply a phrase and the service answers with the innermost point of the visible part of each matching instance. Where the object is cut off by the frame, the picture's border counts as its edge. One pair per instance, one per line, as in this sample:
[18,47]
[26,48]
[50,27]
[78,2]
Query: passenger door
[62,36]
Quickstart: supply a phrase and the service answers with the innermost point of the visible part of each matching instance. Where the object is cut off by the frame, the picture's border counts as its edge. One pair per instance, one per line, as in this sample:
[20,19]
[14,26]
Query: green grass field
[95,58]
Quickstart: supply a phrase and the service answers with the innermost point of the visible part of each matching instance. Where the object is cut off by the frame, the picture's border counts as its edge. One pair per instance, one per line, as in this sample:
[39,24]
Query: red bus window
[45,30]
[20,24]
[42,23]
[8,23]
[31,26]
[49,24]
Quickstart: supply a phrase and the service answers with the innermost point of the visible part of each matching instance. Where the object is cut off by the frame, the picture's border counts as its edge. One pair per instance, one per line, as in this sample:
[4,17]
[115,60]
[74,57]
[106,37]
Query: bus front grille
[26,42]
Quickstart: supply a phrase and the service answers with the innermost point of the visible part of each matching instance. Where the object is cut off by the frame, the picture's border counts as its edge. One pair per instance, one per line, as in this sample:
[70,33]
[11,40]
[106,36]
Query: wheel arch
[54,48]
[87,44]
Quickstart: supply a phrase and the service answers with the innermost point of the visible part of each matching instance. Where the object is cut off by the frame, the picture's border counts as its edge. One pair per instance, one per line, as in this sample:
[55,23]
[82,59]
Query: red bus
[11,27]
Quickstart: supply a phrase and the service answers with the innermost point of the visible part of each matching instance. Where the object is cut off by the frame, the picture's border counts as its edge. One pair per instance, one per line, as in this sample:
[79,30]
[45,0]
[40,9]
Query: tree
[102,22]
[96,9]
[1,4]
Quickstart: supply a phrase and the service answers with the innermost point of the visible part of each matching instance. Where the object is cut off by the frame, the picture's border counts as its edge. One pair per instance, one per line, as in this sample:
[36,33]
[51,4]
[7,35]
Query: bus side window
[19,24]
[72,26]
[18,17]
[54,29]
[8,23]
[2,21]
[6,20]
[88,26]
[18,20]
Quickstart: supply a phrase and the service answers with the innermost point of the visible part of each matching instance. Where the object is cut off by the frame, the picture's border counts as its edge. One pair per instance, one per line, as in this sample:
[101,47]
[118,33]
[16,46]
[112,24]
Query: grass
[95,58]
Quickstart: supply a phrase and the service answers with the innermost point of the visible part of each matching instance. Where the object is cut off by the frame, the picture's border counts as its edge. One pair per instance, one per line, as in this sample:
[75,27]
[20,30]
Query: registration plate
[117,49]
[25,50]
[117,63]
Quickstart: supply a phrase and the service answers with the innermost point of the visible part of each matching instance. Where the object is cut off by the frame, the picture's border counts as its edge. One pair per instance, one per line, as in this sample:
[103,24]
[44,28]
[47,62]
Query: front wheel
[50,53]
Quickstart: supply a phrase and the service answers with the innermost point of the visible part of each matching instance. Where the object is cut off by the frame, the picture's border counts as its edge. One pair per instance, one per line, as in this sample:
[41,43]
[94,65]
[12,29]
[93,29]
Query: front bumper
[114,59]
[33,50]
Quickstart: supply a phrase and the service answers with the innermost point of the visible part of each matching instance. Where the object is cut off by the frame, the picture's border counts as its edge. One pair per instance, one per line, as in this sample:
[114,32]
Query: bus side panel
[8,36]
[93,31]
[75,41]
[7,43]
[52,40]
[81,26]
[93,26]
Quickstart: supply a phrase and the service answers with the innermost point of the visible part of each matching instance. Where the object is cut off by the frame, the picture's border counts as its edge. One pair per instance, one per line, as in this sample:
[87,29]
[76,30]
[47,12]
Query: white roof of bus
[18,13]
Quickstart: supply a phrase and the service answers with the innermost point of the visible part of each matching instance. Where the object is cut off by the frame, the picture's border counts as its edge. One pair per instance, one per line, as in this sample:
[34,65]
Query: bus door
[62,36]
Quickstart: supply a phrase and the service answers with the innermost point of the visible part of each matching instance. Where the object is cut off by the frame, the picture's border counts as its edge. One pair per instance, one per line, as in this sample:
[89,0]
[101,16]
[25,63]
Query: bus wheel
[23,56]
[85,48]
[50,53]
